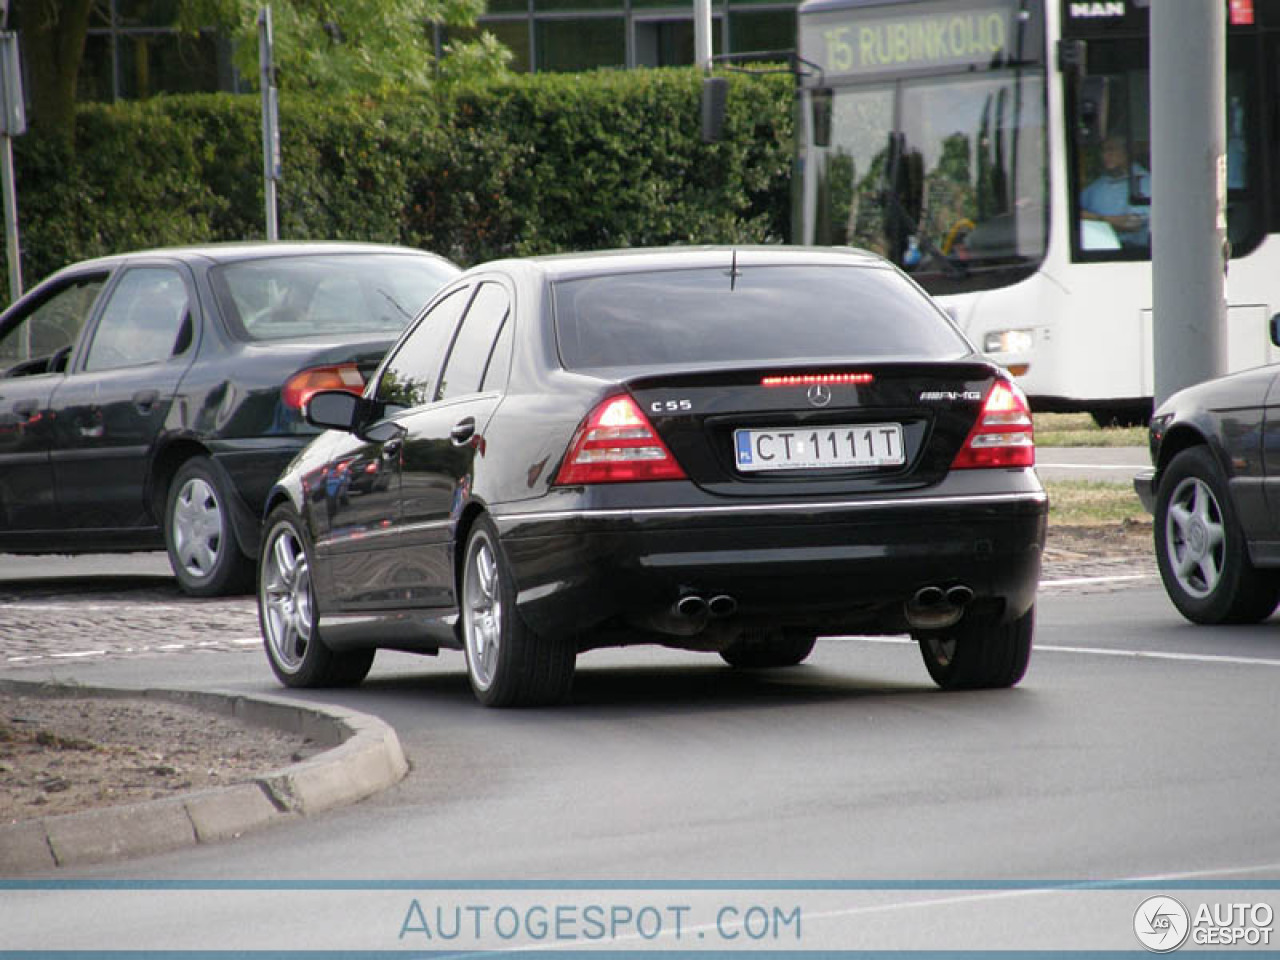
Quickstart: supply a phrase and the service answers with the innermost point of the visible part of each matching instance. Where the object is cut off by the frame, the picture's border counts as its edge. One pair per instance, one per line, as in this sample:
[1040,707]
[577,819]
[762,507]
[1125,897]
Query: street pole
[702,34]
[13,123]
[1189,184]
[270,120]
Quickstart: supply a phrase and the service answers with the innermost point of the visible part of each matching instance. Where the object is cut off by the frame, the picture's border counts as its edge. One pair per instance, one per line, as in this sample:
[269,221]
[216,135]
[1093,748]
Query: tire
[507,663]
[980,653]
[203,551]
[1200,546]
[757,650]
[288,616]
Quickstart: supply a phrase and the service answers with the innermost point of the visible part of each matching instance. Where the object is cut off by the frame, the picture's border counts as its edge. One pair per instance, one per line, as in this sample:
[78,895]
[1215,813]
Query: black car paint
[590,556]
[87,456]
[1237,418]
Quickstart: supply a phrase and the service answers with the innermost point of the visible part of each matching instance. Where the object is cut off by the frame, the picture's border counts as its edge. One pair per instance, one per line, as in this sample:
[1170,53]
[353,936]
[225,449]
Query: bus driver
[1107,198]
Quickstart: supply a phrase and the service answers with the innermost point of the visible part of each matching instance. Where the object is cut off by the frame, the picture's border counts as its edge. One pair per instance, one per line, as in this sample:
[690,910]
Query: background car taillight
[1003,435]
[617,444]
[299,388]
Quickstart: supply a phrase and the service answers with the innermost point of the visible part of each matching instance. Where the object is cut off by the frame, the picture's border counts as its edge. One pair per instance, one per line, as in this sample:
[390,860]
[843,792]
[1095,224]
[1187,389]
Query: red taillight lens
[1003,435]
[617,444]
[809,379]
[299,388]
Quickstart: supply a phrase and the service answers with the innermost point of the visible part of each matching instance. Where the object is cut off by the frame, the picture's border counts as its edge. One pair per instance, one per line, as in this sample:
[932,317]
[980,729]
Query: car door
[362,499]
[36,342]
[443,440]
[112,408]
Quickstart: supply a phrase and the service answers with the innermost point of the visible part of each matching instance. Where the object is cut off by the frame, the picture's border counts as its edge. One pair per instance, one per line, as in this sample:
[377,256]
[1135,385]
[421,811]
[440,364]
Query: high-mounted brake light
[617,444]
[1003,435]
[809,379]
[304,384]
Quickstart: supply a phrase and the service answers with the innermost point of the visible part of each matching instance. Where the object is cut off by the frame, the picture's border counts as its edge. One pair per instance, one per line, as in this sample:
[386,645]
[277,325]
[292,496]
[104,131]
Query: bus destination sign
[859,42]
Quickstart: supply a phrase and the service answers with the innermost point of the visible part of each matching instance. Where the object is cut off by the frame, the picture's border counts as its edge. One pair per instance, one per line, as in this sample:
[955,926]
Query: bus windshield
[922,152]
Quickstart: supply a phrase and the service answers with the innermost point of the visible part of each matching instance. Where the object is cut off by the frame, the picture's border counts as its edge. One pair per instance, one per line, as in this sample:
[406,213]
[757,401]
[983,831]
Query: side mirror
[333,410]
[715,96]
[1275,329]
[1092,110]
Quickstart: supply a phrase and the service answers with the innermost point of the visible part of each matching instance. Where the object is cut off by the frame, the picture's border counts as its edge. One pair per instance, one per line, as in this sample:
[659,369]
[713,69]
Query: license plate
[823,448]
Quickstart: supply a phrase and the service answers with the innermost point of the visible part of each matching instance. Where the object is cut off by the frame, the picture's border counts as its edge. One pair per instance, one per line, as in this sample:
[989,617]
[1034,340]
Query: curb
[362,757]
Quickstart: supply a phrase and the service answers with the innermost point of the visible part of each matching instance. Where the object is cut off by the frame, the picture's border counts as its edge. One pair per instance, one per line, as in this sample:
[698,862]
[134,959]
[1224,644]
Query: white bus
[960,138]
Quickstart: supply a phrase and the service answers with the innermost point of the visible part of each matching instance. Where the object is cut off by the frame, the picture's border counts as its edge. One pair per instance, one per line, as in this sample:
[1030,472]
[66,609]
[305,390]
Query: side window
[409,378]
[41,341]
[495,377]
[147,320]
[469,357]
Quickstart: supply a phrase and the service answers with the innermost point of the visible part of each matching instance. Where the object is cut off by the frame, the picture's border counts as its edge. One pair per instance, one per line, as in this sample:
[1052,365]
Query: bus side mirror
[821,97]
[715,96]
[1092,109]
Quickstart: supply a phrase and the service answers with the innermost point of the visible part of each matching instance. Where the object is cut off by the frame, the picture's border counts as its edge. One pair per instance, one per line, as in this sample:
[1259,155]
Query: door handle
[463,431]
[145,400]
[391,449]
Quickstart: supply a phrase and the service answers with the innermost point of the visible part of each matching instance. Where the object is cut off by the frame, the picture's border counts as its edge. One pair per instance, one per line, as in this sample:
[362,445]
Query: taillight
[1003,435]
[299,388]
[616,444]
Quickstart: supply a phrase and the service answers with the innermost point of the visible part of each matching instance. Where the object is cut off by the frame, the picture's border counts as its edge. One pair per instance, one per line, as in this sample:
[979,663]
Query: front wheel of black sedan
[1200,546]
[288,616]
[203,551]
[979,653]
[508,664]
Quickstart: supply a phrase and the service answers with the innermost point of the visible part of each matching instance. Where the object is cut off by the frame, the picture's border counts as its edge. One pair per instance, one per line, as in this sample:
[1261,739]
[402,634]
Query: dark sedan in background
[1215,495]
[728,450]
[151,399]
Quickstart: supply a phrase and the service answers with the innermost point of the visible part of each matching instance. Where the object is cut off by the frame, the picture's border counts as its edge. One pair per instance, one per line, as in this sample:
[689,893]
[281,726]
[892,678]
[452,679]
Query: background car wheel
[509,665]
[1200,546]
[202,546]
[287,613]
[978,653]
[757,649]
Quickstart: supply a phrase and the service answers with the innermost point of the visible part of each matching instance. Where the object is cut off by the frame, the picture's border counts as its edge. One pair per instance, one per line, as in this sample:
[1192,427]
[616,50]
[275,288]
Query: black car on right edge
[716,449]
[1215,495]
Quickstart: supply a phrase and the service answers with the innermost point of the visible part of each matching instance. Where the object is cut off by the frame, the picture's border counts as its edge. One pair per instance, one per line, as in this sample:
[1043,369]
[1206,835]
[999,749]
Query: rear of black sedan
[713,449]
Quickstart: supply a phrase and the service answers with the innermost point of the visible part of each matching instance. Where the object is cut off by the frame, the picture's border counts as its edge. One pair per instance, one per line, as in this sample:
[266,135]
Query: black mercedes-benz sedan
[723,450]
[151,399]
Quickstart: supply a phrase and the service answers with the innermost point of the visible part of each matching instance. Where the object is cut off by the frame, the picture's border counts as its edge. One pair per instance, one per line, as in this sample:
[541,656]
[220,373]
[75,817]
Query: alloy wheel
[483,625]
[1195,537]
[286,599]
[197,527]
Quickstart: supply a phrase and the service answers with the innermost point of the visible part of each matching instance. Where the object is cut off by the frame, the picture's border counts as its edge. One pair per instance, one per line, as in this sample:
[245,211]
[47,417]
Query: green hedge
[526,165]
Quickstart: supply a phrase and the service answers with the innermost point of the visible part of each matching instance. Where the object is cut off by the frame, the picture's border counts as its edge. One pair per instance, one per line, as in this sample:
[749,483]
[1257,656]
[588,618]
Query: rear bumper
[827,567]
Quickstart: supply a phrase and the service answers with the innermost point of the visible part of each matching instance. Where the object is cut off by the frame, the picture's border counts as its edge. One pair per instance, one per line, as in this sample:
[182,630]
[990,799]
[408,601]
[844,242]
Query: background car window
[41,341]
[469,357]
[146,320]
[285,297]
[760,314]
[409,378]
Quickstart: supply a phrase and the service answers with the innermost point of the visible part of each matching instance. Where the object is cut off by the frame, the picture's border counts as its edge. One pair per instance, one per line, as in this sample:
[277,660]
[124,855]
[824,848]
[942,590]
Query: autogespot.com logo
[1161,924]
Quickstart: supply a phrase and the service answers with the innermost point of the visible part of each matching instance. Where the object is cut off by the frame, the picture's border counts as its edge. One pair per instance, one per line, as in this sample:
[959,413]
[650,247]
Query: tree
[339,46]
[330,46]
[53,34]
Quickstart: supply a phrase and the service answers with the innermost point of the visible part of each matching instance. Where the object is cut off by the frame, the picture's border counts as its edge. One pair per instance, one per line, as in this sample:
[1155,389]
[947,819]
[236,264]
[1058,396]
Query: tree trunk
[52,36]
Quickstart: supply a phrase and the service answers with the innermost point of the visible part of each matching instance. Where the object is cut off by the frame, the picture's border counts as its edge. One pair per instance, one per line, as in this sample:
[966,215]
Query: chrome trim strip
[958,500]
[379,532]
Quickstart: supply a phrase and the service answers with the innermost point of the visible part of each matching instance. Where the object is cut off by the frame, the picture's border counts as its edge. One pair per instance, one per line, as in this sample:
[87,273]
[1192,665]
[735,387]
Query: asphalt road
[1136,746]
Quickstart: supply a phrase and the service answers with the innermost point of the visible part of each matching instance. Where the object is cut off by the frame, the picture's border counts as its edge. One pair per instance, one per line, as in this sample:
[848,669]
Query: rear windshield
[762,314]
[281,298]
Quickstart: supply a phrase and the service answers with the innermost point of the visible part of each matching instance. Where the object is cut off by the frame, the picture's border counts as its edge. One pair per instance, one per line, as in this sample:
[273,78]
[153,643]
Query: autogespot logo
[1162,924]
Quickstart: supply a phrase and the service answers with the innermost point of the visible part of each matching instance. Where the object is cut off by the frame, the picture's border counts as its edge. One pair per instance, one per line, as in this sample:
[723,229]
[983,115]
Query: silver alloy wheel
[197,527]
[286,599]
[1195,537]
[483,612]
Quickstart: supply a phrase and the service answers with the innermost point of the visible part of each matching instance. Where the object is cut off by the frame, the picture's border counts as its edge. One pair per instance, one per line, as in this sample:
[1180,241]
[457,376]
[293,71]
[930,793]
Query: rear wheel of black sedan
[757,650]
[288,616]
[509,665]
[203,551]
[1200,546]
[979,652]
